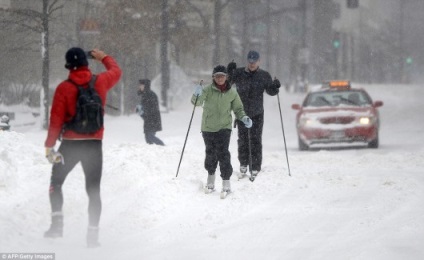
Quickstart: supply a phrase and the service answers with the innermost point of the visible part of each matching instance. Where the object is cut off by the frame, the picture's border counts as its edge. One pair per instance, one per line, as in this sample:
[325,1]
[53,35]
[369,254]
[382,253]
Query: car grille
[337,120]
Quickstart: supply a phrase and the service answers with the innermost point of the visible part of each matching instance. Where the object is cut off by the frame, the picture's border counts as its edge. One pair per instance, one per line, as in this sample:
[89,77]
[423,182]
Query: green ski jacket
[217,107]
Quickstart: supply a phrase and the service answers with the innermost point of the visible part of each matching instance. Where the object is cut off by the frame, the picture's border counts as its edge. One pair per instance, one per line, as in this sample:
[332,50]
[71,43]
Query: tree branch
[199,12]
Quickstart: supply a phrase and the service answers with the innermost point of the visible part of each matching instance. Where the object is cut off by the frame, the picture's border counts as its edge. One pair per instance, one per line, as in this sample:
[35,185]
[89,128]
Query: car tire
[302,145]
[373,143]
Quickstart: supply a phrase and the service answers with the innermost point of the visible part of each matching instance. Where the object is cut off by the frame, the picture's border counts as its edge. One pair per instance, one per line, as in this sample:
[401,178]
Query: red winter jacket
[64,101]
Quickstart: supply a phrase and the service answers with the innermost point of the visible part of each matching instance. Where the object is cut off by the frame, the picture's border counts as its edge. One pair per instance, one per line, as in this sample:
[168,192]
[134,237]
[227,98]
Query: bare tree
[38,21]
[219,6]
[135,28]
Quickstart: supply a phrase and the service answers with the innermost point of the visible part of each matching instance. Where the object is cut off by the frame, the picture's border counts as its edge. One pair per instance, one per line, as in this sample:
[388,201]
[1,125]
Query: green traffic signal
[408,60]
[336,44]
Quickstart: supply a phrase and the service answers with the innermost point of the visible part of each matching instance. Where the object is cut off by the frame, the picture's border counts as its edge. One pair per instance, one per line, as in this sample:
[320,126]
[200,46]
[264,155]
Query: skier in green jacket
[218,100]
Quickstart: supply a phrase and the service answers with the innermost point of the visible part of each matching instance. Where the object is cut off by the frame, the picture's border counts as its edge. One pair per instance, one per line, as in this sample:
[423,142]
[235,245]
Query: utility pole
[401,51]
[164,54]
[336,48]
[304,49]
[268,35]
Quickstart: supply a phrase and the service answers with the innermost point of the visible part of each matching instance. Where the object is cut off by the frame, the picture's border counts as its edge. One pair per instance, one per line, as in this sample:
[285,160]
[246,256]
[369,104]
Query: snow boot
[226,186]
[253,176]
[211,181]
[243,168]
[210,184]
[56,227]
[93,237]
[242,173]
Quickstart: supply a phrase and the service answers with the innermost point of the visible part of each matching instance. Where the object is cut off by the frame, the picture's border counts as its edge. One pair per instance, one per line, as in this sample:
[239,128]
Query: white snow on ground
[347,203]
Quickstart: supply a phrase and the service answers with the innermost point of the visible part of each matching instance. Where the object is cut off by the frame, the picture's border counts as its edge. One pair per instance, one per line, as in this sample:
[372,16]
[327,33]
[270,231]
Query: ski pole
[113,107]
[188,130]
[250,155]
[284,136]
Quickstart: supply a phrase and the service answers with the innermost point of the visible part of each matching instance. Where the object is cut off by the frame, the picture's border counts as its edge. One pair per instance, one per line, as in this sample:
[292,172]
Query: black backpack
[89,112]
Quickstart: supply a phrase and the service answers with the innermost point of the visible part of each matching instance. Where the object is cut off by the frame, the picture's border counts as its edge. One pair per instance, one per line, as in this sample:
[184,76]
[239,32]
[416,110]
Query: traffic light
[336,40]
[352,3]
[409,60]
[336,44]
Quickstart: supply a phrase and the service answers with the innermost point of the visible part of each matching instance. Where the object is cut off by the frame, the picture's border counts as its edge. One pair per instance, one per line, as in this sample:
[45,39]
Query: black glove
[276,83]
[231,67]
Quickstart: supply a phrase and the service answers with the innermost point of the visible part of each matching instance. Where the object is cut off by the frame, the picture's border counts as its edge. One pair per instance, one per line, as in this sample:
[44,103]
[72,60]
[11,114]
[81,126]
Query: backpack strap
[92,81]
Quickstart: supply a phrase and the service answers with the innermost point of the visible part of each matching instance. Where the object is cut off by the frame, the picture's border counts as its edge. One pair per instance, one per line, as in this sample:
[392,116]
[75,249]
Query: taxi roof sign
[338,84]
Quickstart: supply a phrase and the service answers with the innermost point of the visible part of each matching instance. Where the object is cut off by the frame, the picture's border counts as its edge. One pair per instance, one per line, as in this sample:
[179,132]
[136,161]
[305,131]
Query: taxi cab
[337,113]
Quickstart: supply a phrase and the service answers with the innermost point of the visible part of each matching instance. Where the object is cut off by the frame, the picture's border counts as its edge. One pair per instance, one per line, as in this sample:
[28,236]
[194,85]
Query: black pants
[89,153]
[217,144]
[256,142]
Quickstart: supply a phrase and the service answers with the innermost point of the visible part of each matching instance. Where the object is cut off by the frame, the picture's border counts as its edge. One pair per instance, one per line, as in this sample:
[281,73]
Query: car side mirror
[295,106]
[378,103]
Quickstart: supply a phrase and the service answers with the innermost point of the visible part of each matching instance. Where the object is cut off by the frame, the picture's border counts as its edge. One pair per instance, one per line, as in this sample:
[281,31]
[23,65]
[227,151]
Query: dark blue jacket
[251,86]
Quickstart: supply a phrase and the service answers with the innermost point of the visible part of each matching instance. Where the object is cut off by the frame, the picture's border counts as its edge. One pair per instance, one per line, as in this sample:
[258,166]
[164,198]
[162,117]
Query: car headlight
[366,120]
[304,121]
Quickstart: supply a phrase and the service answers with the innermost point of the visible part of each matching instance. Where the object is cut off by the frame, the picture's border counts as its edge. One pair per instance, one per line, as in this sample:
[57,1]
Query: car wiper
[349,101]
[325,100]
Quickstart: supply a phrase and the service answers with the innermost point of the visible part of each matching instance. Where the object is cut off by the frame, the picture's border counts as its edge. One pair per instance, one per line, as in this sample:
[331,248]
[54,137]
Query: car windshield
[337,98]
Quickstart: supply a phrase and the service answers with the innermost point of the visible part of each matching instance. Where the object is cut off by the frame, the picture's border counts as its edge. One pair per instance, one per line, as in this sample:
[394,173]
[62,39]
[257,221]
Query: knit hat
[145,82]
[253,56]
[220,69]
[75,57]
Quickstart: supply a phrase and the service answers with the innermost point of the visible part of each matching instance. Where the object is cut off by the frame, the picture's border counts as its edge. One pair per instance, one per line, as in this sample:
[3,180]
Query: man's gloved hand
[231,67]
[247,121]
[53,156]
[197,90]
[139,110]
[276,83]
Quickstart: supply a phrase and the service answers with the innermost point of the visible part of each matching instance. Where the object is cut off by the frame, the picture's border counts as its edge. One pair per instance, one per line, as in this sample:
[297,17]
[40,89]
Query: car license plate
[337,134]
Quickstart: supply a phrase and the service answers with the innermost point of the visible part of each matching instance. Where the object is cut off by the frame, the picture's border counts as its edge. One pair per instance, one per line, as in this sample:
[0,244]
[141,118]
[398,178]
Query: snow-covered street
[346,203]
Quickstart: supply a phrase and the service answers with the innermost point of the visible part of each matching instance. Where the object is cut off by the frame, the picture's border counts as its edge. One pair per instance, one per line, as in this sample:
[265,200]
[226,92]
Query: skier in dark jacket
[251,83]
[148,109]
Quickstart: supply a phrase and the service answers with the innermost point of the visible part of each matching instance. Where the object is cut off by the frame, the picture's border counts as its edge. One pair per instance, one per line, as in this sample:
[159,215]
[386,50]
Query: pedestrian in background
[148,109]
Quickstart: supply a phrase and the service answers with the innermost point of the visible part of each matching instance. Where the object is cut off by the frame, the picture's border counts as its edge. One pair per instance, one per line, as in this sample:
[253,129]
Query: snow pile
[17,159]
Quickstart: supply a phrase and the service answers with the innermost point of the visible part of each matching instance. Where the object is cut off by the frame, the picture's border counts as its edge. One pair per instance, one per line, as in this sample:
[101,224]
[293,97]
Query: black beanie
[145,82]
[220,69]
[75,57]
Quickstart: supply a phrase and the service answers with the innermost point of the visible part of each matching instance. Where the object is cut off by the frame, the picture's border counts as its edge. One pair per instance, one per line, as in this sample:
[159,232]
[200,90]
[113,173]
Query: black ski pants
[217,150]
[255,139]
[89,153]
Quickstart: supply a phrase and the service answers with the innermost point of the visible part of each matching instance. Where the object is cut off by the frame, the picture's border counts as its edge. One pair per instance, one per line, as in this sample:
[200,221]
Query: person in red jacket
[77,147]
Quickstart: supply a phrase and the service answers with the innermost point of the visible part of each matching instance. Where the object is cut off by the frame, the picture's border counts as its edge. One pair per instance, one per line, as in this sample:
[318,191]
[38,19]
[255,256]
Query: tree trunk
[217,26]
[164,53]
[45,60]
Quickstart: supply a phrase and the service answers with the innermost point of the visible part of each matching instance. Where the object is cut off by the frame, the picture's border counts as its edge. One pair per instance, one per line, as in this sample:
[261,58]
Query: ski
[251,176]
